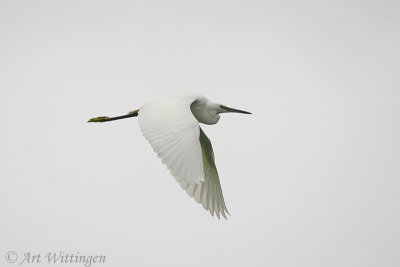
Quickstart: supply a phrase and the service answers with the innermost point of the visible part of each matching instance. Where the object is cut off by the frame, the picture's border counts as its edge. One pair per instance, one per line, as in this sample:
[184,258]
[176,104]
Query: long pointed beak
[228,109]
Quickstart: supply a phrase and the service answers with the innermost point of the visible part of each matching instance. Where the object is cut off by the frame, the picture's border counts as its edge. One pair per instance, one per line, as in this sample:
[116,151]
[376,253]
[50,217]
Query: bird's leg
[105,118]
[134,113]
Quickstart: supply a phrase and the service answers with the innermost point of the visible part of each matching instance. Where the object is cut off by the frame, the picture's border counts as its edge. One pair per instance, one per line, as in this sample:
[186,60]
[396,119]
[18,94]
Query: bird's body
[172,128]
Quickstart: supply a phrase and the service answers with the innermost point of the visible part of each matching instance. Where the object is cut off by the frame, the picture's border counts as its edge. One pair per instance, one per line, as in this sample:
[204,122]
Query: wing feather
[209,192]
[176,137]
[173,132]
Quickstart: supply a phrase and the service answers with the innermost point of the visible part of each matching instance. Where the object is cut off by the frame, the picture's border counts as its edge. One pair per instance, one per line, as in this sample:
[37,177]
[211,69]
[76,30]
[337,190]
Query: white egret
[172,128]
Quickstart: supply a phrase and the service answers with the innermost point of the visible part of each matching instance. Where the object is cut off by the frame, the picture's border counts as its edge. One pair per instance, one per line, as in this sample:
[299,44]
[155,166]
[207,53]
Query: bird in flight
[172,128]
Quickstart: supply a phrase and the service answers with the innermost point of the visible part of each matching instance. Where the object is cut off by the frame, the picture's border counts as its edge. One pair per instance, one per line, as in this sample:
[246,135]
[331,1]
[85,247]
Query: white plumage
[172,128]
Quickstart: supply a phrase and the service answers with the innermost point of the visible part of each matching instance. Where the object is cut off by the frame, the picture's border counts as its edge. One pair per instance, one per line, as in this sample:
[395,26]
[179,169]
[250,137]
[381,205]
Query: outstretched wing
[173,132]
[209,192]
[176,137]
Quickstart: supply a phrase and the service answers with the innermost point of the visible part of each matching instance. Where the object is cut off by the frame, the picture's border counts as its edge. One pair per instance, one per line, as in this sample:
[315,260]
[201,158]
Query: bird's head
[207,112]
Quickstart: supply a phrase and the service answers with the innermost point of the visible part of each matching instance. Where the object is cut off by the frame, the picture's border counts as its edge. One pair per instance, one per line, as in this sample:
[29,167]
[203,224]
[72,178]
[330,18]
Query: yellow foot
[99,119]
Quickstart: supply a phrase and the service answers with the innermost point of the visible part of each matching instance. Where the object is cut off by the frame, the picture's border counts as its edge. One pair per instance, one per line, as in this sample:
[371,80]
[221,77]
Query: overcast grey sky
[311,179]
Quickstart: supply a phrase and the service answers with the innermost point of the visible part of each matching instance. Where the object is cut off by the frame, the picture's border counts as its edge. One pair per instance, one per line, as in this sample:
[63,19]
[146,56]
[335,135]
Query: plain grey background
[311,179]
